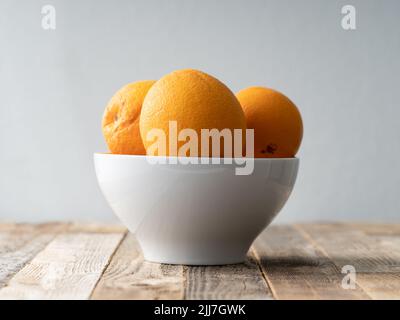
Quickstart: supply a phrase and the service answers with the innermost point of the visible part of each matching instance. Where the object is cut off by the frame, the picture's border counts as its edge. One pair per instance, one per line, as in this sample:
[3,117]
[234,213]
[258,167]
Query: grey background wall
[54,86]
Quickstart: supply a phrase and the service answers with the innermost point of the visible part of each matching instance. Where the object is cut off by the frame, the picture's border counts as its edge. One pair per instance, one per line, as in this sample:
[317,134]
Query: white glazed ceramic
[194,214]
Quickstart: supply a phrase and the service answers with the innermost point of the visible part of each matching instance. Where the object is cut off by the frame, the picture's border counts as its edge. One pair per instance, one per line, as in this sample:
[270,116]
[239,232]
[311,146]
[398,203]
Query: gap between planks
[296,269]
[296,262]
[236,281]
[20,243]
[67,267]
[373,250]
[128,276]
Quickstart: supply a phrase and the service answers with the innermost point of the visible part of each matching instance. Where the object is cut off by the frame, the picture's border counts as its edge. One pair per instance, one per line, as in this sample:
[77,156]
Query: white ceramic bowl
[194,214]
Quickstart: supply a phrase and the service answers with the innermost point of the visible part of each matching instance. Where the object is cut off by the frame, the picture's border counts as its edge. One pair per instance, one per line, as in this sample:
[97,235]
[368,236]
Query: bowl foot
[193,253]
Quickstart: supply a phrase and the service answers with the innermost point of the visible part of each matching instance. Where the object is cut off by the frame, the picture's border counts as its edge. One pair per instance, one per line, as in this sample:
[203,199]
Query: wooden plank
[238,281]
[350,245]
[300,262]
[296,269]
[19,243]
[94,227]
[381,286]
[373,251]
[128,276]
[68,268]
[7,226]
[377,229]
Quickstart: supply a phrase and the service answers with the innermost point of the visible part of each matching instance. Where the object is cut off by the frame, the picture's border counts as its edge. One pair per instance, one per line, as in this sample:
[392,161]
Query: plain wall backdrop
[55,84]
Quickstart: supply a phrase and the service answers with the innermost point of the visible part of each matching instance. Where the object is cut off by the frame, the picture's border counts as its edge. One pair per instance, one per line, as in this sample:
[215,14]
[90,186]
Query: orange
[277,124]
[121,119]
[195,100]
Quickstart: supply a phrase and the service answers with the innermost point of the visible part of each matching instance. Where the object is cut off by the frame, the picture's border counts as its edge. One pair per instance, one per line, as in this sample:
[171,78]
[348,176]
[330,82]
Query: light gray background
[54,86]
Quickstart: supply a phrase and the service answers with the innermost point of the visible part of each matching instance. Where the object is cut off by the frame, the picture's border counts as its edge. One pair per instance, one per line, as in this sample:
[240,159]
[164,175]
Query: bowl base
[188,252]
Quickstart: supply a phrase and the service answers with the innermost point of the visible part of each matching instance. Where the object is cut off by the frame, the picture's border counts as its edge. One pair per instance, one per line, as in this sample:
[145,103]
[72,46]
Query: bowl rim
[137,156]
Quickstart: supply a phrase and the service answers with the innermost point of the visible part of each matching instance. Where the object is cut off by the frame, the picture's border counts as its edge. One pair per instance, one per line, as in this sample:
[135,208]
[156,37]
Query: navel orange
[195,100]
[277,123]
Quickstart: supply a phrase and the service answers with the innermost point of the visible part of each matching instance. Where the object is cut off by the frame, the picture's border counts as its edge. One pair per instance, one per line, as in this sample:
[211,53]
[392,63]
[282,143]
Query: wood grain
[81,261]
[377,229]
[68,268]
[128,276]
[296,269]
[19,243]
[373,251]
[238,281]
[93,227]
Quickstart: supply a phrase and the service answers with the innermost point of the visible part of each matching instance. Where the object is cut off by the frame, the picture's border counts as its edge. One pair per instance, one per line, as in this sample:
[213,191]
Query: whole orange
[195,100]
[277,123]
[121,119]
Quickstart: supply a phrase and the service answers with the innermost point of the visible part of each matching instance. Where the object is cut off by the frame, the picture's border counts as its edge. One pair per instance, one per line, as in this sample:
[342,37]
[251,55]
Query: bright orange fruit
[195,100]
[277,123]
[121,119]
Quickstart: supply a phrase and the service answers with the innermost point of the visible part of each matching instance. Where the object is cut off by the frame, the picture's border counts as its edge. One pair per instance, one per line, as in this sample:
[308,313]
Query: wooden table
[73,261]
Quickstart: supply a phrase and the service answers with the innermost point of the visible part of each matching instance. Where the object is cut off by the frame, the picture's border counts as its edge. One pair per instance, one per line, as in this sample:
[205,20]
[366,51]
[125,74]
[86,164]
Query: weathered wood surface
[297,269]
[128,276]
[21,243]
[239,281]
[373,251]
[95,261]
[68,268]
